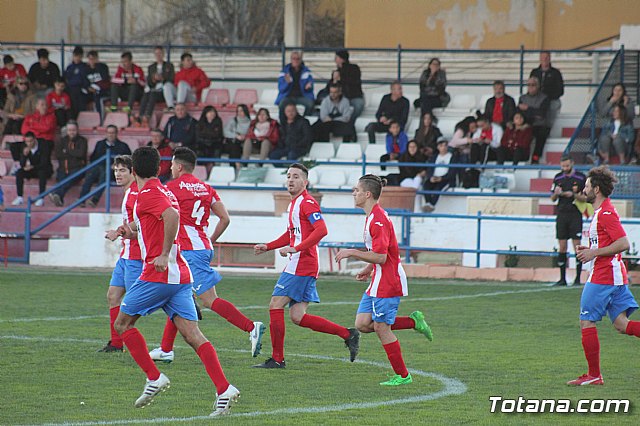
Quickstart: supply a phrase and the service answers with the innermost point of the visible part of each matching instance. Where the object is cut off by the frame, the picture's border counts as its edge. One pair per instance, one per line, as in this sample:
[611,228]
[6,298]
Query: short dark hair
[185,55]
[60,80]
[603,178]
[124,160]
[392,122]
[7,59]
[157,130]
[112,126]
[30,135]
[373,184]
[186,157]
[93,53]
[127,55]
[146,162]
[566,157]
[158,47]
[78,51]
[335,86]
[498,82]
[72,123]
[42,53]
[302,167]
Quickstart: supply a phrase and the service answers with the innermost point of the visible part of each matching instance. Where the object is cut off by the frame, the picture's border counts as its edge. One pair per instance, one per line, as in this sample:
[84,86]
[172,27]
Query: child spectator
[396,143]
[127,84]
[486,141]
[516,141]
[427,135]
[59,103]
[76,78]
[439,178]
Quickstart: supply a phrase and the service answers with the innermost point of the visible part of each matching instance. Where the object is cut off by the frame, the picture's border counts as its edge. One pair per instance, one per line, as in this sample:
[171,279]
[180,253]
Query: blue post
[283,52]
[399,77]
[364,164]
[168,52]
[521,67]
[27,231]
[62,55]
[594,142]
[622,63]
[407,237]
[107,180]
[478,234]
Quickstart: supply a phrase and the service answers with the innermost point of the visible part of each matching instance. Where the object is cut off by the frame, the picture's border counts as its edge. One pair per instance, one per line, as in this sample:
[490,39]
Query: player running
[129,265]
[165,283]
[379,304]
[197,201]
[606,291]
[297,284]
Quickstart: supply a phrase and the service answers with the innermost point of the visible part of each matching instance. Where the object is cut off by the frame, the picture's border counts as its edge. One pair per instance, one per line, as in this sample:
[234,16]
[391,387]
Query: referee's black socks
[562,263]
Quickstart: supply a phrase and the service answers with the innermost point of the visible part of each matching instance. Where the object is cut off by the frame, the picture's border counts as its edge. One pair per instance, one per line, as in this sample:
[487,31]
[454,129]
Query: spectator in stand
[335,79]
[396,143]
[335,117]
[351,82]
[209,135]
[501,107]
[8,75]
[439,178]
[127,84]
[486,141]
[618,131]
[160,86]
[263,132]
[433,84]
[21,101]
[181,128]
[535,105]
[463,138]
[295,85]
[158,142]
[620,97]
[71,153]
[551,84]
[295,136]
[516,141]
[410,176]
[235,132]
[96,175]
[99,80]
[42,123]
[190,81]
[427,135]
[35,162]
[59,103]
[76,78]
[394,107]
[43,73]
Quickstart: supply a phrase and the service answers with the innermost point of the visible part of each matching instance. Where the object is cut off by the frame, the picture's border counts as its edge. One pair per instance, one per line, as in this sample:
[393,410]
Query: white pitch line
[337,303]
[451,387]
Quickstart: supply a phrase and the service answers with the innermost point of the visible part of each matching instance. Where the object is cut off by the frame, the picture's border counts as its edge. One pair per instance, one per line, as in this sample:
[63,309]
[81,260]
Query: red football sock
[591,346]
[394,353]
[138,349]
[276,326]
[116,340]
[209,358]
[403,323]
[229,312]
[168,336]
[323,325]
[633,328]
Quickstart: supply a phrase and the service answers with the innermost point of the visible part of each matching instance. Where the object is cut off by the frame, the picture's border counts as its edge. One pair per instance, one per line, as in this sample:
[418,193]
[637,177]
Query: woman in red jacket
[263,132]
[516,141]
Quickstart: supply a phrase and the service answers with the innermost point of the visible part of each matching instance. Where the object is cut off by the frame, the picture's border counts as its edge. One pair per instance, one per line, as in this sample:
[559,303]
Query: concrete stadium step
[547,209]
[31,190]
[14,247]
[13,222]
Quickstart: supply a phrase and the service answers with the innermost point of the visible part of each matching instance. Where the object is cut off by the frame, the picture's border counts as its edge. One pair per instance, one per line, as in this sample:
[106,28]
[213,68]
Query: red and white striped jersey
[388,279]
[195,199]
[304,211]
[153,199]
[604,230]
[130,248]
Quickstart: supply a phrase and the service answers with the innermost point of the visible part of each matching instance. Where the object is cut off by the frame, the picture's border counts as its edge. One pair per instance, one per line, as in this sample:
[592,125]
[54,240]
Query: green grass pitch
[506,339]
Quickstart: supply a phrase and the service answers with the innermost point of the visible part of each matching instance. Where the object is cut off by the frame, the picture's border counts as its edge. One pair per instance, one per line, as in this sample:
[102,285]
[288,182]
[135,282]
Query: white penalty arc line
[451,387]
[337,303]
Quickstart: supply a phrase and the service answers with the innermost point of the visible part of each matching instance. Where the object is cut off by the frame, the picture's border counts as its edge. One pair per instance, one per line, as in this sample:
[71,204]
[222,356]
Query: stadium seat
[483,102]
[118,119]
[374,152]
[222,175]
[268,97]
[349,152]
[165,118]
[331,177]
[134,142]
[217,97]
[447,126]
[314,178]
[375,98]
[3,168]
[322,151]
[88,121]
[200,172]
[361,123]
[274,177]
[245,96]
[462,102]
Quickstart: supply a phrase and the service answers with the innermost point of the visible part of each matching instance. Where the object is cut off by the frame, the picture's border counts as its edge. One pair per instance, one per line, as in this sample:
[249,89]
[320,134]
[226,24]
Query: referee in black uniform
[566,188]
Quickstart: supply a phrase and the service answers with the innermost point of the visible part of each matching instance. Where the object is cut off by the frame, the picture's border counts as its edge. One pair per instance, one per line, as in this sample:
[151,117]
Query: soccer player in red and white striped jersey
[606,291]
[297,284]
[165,283]
[380,302]
[197,201]
[129,265]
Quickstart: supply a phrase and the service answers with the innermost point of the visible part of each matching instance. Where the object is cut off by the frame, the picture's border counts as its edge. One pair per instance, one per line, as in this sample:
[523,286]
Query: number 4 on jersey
[197,212]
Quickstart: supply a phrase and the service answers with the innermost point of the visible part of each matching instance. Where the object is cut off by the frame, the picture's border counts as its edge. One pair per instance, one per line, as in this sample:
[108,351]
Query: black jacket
[209,134]
[167,71]
[119,148]
[45,76]
[508,109]
[181,130]
[398,110]
[296,136]
[40,160]
[350,80]
[550,81]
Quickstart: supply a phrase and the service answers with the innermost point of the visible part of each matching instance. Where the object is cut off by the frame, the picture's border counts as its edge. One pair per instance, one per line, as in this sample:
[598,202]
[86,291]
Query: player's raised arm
[220,210]
[281,241]
[319,232]
[171,221]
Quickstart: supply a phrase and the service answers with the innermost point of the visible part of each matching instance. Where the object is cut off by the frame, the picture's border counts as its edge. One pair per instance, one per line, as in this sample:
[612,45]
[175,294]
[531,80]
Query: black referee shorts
[569,226]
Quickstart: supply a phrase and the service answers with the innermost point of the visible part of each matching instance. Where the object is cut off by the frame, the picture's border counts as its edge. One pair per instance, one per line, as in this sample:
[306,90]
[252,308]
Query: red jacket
[43,126]
[8,77]
[273,135]
[55,101]
[195,77]
[122,75]
[517,138]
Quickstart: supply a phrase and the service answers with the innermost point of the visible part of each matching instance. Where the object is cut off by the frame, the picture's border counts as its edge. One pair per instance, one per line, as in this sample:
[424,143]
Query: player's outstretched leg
[277,329]
[414,321]
[165,352]
[228,311]
[351,336]
[391,346]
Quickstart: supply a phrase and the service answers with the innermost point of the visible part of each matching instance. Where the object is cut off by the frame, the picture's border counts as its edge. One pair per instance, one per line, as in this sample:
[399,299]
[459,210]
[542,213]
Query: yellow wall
[485,24]
[18,20]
